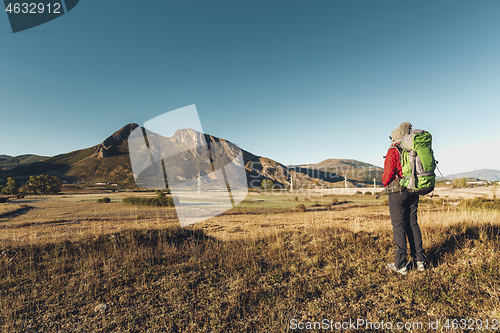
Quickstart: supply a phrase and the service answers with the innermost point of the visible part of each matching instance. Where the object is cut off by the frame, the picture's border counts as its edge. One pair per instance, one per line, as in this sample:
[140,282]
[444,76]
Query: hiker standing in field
[408,172]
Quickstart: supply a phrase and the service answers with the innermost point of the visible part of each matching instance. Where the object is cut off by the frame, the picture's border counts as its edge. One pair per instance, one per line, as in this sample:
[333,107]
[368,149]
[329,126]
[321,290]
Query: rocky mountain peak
[188,136]
[120,136]
[109,147]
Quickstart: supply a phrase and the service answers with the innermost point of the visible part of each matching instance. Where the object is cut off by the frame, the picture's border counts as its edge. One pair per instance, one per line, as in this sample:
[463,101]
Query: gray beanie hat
[400,131]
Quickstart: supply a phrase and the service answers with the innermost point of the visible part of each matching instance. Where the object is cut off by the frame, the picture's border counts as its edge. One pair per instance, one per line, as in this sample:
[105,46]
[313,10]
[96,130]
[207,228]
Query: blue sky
[296,81]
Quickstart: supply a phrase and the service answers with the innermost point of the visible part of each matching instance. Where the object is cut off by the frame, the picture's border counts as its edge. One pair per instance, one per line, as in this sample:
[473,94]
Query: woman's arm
[392,166]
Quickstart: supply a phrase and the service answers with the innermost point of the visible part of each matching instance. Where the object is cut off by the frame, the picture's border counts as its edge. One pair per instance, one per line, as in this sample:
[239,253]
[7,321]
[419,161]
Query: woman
[403,207]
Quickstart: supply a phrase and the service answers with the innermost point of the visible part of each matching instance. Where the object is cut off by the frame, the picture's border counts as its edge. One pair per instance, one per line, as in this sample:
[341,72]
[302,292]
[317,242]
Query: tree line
[41,184]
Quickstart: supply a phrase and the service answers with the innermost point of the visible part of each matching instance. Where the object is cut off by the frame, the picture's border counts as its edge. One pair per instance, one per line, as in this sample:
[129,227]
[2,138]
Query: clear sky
[296,81]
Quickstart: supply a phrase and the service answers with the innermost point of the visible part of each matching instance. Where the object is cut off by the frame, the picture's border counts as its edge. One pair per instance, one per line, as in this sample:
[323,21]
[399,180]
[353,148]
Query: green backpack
[417,162]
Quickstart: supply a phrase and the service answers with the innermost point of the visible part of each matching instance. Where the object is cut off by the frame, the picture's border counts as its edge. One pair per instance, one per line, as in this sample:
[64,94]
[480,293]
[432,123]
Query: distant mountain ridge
[484,174]
[9,162]
[352,169]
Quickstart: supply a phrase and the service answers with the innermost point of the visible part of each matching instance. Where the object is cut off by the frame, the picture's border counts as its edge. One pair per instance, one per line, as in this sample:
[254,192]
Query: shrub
[461,182]
[359,193]
[129,200]
[4,199]
[368,193]
[267,184]
[25,189]
[152,202]
[104,200]
[301,208]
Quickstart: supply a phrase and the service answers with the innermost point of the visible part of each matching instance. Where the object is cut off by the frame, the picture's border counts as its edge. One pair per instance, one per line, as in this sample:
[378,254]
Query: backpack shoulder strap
[397,146]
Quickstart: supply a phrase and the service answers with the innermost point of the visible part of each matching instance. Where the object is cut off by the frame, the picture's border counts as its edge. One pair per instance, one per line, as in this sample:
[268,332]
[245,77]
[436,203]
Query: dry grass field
[37,220]
[262,267]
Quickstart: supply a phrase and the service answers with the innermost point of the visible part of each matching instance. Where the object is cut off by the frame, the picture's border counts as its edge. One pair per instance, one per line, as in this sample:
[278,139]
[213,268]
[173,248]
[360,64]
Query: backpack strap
[413,164]
[395,185]
[397,146]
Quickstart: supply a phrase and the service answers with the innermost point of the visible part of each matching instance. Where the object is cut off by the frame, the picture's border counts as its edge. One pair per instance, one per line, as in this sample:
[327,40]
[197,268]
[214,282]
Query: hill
[484,174]
[354,170]
[9,162]
[107,161]
[110,162]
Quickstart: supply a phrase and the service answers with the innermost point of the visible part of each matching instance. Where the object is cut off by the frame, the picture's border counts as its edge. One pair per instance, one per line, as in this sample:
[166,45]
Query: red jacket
[392,166]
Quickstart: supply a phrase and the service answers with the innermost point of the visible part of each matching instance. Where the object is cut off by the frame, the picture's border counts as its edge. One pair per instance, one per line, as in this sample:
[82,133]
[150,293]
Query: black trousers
[403,207]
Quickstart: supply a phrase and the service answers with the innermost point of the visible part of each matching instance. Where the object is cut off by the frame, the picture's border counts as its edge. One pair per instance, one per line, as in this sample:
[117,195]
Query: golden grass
[6,208]
[54,219]
[237,273]
[67,219]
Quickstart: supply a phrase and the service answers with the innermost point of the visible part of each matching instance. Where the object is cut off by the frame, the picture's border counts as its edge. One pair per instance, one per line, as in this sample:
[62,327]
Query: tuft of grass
[480,203]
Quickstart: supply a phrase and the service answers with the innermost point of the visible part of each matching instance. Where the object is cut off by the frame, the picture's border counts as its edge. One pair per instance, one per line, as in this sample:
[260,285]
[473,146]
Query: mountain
[110,161]
[354,170]
[107,161]
[186,155]
[484,174]
[9,162]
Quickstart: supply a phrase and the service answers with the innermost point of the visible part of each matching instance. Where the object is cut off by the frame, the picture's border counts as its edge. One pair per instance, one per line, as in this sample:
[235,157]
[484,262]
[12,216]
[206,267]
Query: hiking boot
[393,268]
[421,266]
